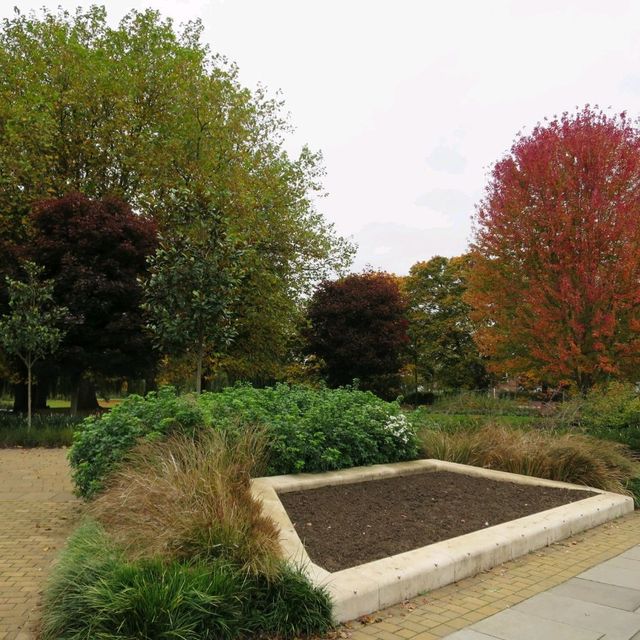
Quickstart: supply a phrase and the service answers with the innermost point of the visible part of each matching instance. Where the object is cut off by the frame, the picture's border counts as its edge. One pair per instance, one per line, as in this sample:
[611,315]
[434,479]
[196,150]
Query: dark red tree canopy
[358,327]
[95,250]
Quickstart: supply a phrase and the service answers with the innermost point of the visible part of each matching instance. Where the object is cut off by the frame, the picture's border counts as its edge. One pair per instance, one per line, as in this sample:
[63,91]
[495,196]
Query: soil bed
[346,525]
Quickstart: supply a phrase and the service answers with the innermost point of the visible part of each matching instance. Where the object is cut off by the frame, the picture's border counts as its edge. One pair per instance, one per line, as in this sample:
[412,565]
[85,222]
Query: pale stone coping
[372,586]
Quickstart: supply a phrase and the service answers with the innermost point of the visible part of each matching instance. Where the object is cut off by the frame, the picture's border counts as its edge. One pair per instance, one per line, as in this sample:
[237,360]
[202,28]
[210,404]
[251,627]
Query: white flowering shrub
[400,428]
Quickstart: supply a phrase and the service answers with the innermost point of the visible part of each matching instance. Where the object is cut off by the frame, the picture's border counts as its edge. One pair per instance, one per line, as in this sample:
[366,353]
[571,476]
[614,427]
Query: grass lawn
[453,421]
[66,404]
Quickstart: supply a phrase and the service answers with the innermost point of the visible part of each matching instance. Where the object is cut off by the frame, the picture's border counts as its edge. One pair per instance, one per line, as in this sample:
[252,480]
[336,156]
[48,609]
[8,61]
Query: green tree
[30,330]
[141,111]
[441,332]
[192,284]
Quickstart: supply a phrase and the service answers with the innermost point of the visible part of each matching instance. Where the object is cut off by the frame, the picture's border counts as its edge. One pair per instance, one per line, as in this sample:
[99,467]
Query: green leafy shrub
[612,413]
[101,442]
[608,412]
[615,406]
[96,592]
[307,429]
[315,430]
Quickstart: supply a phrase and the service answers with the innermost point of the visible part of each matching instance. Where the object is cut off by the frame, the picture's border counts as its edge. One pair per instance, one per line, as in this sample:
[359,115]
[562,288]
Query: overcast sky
[412,101]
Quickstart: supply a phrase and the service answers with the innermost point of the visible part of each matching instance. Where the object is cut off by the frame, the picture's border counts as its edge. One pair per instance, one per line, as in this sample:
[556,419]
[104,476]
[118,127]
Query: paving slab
[634,553]
[469,634]
[611,573]
[608,595]
[625,562]
[516,625]
[580,614]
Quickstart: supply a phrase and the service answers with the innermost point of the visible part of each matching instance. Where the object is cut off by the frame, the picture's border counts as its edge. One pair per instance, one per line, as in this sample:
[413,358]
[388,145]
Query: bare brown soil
[346,525]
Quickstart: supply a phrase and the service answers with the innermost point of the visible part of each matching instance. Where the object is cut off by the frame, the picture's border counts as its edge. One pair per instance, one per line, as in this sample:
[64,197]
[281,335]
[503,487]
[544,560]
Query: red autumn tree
[358,326]
[556,275]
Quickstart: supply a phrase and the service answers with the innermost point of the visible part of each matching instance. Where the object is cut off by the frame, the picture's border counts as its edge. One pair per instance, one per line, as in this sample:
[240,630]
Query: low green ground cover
[46,430]
[482,403]
[424,418]
[96,593]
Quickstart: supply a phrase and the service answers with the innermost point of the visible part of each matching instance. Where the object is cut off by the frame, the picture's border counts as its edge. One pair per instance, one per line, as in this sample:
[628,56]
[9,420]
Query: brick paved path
[37,513]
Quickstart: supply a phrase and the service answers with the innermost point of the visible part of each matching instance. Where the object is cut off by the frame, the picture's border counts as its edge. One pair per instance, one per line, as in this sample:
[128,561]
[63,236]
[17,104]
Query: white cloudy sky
[412,101]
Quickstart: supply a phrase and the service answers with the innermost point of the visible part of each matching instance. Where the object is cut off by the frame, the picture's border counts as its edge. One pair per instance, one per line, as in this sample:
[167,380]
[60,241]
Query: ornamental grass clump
[95,592]
[176,547]
[567,457]
[190,498]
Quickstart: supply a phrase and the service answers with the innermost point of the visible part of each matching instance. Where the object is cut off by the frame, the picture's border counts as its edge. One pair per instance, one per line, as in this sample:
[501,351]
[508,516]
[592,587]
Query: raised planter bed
[382,576]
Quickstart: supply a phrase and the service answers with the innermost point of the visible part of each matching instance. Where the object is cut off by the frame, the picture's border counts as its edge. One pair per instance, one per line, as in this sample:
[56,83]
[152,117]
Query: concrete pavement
[602,603]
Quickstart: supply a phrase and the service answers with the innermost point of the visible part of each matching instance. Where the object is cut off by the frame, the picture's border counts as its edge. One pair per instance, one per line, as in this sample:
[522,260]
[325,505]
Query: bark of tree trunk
[39,395]
[83,399]
[199,374]
[29,397]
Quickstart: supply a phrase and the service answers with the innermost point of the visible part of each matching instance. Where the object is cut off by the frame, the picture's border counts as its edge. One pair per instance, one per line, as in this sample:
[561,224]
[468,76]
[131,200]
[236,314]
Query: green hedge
[309,429]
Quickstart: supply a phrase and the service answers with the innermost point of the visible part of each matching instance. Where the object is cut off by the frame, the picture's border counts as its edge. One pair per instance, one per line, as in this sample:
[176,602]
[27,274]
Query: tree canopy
[556,253]
[143,112]
[94,251]
[440,328]
[192,285]
[357,325]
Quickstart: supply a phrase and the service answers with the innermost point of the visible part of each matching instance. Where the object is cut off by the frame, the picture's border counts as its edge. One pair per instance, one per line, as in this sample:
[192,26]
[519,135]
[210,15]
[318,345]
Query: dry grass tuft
[568,457]
[187,498]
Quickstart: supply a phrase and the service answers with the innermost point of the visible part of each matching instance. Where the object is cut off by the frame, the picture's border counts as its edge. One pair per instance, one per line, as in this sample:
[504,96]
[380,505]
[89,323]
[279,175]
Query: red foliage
[94,250]
[358,327]
[557,252]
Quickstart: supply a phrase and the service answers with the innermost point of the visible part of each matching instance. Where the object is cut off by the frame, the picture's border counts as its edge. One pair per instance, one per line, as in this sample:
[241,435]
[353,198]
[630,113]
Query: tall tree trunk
[20,397]
[83,398]
[39,395]
[150,382]
[199,372]
[29,365]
